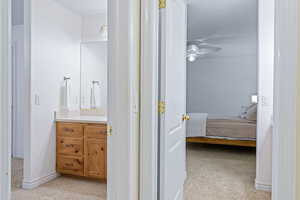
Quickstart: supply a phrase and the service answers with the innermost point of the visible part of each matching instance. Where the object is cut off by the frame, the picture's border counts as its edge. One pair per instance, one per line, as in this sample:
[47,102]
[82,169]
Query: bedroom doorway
[222,88]
[229,100]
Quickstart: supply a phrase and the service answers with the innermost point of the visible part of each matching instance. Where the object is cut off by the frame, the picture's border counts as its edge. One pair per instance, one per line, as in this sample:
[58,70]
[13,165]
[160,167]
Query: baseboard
[39,181]
[263,186]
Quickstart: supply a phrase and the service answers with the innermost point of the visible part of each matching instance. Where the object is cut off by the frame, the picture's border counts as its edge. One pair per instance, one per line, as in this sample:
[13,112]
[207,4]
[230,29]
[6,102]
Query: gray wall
[17,12]
[222,83]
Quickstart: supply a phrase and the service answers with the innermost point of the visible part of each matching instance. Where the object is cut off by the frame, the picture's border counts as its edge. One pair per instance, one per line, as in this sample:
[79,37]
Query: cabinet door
[95,158]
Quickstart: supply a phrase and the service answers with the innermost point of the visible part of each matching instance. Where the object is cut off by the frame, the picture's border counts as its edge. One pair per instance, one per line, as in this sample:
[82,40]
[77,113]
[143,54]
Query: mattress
[231,127]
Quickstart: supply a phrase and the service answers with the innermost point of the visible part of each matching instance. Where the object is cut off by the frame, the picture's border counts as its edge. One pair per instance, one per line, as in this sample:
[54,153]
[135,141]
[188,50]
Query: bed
[237,131]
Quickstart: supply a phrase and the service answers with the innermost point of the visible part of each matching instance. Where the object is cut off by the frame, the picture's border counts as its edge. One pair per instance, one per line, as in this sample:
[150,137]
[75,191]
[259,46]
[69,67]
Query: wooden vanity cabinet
[95,151]
[81,149]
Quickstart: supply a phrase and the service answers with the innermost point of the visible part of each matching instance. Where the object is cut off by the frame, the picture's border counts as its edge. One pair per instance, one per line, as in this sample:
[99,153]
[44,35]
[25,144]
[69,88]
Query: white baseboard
[263,186]
[39,181]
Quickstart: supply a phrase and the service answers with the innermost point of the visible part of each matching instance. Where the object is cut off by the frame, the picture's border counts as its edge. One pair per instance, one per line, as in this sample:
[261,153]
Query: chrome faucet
[93,96]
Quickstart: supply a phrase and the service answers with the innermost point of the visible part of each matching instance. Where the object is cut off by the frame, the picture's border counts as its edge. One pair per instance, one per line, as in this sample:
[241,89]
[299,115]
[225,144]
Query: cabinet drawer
[70,165]
[69,129]
[70,146]
[95,131]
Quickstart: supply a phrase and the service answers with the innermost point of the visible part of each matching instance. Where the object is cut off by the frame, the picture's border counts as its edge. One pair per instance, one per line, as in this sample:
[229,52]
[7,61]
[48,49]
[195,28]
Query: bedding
[224,127]
[232,128]
[197,125]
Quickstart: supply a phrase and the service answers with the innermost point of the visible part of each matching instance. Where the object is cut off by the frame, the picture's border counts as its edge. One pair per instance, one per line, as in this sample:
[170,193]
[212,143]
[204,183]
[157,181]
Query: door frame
[149,100]
[123,99]
[286,101]
[286,26]
[5,99]
[123,163]
[265,90]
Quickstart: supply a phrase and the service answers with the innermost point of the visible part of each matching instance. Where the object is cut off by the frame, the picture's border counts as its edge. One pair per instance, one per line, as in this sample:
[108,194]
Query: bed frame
[222,141]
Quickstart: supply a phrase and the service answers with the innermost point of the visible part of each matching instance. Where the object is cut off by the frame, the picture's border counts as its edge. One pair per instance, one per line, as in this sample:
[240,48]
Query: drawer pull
[69,130]
[102,149]
[69,164]
[78,161]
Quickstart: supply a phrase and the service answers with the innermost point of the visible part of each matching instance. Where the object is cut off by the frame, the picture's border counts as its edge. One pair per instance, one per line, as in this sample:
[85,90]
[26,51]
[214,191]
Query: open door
[173,28]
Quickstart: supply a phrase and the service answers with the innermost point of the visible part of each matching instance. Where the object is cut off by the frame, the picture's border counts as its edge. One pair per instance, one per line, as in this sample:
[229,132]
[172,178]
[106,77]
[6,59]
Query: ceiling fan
[196,50]
[202,47]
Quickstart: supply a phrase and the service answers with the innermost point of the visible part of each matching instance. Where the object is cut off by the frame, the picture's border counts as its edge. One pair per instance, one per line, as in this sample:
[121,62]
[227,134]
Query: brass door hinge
[185,117]
[162,3]
[109,130]
[161,107]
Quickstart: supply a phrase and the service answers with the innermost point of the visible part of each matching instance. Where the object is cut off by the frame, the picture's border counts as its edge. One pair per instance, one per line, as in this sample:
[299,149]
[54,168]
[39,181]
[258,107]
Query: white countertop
[80,118]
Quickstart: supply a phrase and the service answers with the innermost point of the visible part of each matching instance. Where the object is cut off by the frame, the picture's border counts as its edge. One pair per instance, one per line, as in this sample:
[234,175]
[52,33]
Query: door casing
[124,160]
[5,98]
[285,20]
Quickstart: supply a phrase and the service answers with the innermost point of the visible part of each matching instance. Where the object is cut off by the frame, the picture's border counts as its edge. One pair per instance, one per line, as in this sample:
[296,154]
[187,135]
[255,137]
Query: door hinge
[162,3]
[109,130]
[161,107]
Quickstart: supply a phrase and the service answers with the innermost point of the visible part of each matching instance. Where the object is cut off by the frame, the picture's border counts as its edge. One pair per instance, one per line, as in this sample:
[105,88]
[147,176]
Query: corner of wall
[31,184]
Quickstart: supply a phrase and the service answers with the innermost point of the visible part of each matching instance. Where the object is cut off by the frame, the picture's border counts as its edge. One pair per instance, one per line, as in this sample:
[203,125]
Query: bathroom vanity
[81,129]
[81,146]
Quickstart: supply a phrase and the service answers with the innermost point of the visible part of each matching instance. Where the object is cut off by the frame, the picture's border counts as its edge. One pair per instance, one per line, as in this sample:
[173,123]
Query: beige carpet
[16,172]
[64,188]
[214,173]
[221,173]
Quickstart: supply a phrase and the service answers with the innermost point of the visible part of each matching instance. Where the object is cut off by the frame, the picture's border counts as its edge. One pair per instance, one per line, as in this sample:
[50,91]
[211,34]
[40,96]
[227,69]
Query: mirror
[94,77]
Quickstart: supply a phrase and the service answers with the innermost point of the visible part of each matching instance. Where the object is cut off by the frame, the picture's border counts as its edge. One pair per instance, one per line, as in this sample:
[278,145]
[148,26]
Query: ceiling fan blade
[212,38]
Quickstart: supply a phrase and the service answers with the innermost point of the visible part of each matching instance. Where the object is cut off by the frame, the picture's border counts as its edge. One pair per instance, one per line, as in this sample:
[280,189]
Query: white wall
[91,26]
[94,68]
[55,53]
[20,91]
[265,90]
[20,83]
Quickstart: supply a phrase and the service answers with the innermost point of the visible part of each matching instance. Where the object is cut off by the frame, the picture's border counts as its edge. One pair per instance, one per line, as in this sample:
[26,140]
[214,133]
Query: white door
[173,29]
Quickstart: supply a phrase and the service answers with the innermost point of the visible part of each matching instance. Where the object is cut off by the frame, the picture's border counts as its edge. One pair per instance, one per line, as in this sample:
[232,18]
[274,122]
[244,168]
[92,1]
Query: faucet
[66,79]
[66,93]
[95,82]
[93,97]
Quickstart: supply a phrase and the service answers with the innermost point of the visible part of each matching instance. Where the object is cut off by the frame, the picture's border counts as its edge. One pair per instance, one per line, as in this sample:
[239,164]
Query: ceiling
[222,19]
[85,7]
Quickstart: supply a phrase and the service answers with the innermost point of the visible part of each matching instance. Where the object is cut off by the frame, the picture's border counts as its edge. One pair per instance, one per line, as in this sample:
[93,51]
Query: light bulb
[191,58]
